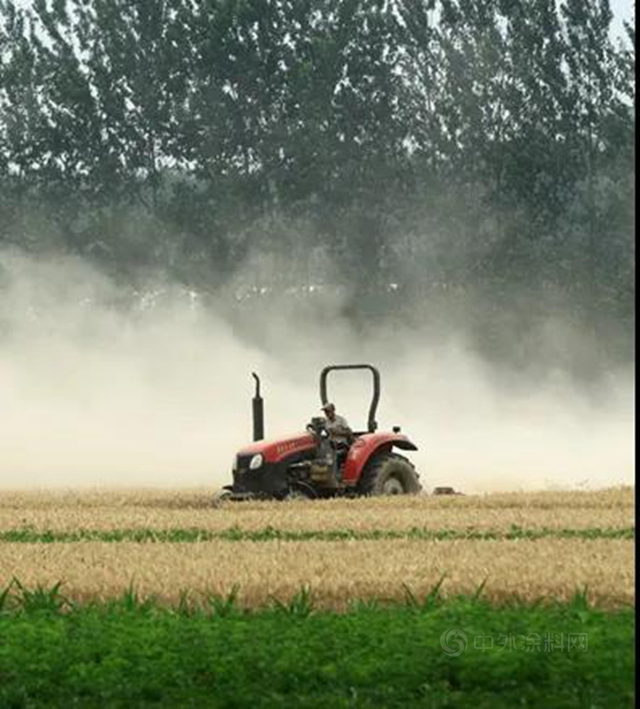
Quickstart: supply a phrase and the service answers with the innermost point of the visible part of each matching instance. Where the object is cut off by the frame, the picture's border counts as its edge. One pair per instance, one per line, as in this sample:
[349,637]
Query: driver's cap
[328,407]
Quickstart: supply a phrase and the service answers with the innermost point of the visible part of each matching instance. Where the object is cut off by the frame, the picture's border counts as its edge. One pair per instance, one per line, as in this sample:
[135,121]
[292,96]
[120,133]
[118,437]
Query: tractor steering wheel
[317,429]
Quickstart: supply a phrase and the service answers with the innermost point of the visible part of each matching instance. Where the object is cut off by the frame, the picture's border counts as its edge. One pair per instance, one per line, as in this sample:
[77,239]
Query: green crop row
[429,652]
[235,534]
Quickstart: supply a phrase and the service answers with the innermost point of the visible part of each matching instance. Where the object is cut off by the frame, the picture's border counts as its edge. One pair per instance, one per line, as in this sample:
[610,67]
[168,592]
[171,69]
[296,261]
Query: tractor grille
[242,463]
[270,478]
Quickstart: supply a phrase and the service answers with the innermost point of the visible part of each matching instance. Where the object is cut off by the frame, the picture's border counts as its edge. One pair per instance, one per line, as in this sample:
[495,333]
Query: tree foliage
[480,144]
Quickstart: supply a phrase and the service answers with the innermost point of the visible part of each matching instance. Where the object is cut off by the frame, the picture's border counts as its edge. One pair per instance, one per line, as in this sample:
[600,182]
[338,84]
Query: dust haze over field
[93,393]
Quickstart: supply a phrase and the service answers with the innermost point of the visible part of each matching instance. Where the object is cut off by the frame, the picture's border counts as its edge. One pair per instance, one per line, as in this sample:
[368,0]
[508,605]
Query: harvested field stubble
[334,571]
[157,509]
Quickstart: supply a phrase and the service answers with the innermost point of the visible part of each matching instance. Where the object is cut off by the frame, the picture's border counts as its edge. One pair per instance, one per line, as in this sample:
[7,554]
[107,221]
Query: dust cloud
[94,392]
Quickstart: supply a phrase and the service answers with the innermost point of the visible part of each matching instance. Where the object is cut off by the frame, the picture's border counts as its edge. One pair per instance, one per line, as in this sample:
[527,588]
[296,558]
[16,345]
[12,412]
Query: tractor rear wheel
[389,474]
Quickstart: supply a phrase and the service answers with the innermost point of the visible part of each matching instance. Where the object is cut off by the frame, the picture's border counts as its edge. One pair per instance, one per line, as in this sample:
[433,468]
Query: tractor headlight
[256,462]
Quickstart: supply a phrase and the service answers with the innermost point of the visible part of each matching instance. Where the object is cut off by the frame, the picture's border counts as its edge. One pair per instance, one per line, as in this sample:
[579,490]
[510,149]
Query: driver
[337,426]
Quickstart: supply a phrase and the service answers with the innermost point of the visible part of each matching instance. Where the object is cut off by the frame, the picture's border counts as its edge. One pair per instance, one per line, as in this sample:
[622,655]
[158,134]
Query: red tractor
[312,465]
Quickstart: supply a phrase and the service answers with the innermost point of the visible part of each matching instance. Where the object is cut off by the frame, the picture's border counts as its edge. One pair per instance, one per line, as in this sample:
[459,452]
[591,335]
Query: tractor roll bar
[372,425]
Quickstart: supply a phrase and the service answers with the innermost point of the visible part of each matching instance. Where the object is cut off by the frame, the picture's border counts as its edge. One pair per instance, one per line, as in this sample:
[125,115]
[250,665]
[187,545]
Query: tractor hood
[276,450]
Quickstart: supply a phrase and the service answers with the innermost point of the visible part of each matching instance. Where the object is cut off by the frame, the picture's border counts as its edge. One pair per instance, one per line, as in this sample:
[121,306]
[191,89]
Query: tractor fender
[368,445]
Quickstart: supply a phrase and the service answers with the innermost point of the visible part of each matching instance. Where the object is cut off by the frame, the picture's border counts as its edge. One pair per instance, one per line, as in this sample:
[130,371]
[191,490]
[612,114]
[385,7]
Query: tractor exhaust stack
[258,411]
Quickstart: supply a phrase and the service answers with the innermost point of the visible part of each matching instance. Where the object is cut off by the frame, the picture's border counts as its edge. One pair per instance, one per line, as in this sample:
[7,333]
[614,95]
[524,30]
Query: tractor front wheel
[222,495]
[389,474]
[301,491]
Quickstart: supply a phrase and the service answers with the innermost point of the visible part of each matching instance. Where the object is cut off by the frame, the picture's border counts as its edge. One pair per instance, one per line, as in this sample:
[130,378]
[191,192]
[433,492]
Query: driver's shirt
[336,427]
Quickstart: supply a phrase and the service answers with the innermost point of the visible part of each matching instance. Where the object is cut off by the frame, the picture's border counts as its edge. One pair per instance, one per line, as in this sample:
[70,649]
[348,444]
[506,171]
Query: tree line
[462,144]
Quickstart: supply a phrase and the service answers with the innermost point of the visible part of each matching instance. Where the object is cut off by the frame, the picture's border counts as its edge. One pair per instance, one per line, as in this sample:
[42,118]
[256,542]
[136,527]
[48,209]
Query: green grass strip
[29,535]
[462,652]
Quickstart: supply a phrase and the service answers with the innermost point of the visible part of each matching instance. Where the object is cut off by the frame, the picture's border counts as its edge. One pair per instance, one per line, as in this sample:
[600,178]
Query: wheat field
[171,509]
[335,571]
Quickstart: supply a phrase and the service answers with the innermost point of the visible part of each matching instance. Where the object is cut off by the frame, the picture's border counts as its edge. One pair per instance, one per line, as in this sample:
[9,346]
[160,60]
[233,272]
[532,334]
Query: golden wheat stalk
[336,572]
